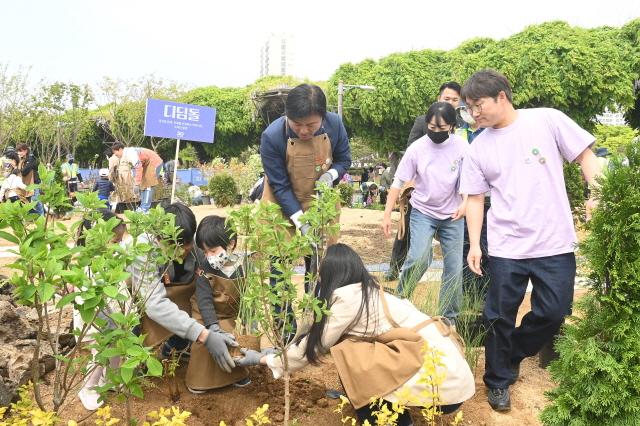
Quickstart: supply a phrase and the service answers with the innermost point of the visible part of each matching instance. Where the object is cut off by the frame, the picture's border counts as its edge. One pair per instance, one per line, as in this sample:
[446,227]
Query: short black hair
[117,146]
[185,220]
[305,100]
[213,231]
[12,155]
[441,111]
[86,224]
[486,83]
[453,85]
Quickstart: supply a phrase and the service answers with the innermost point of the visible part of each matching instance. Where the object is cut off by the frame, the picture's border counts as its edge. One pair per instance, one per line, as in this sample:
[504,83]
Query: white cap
[103,172]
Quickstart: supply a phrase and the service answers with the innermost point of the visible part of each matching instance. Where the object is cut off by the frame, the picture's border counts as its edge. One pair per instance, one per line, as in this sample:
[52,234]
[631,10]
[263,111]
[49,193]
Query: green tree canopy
[579,71]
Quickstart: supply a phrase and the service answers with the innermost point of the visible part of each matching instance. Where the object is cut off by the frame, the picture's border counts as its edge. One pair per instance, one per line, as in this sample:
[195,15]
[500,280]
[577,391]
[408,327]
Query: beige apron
[29,179]
[150,162]
[120,175]
[376,366]
[306,161]
[203,372]
[403,206]
[178,293]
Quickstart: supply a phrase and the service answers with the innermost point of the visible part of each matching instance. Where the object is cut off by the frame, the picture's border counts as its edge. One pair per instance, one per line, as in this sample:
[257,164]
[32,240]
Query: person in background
[169,167]
[12,189]
[72,177]
[386,179]
[255,194]
[433,162]
[449,92]
[195,193]
[147,165]
[28,166]
[104,186]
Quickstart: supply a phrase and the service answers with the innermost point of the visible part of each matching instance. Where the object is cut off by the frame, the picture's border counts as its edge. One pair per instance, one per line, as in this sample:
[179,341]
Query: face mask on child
[218,261]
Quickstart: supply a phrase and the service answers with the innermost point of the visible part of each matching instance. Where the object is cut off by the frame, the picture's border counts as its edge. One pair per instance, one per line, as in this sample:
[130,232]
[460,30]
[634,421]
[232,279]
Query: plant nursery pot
[246,341]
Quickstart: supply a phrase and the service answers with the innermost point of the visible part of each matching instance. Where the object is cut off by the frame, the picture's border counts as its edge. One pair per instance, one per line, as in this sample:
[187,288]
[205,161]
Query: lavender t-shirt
[522,166]
[435,169]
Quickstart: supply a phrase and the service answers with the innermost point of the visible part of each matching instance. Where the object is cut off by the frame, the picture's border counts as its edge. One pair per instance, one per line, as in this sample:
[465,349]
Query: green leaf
[111,291]
[118,317]
[9,237]
[110,352]
[126,374]
[46,292]
[131,363]
[154,367]
[136,390]
[66,299]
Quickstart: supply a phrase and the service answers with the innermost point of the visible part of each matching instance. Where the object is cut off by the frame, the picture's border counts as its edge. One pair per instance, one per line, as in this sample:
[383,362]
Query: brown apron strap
[401,228]
[423,324]
[385,308]
[443,328]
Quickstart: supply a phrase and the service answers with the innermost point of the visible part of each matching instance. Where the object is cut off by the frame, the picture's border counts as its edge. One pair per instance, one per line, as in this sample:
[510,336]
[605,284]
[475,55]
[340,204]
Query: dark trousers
[552,278]
[366,413]
[472,283]
[278,308]
[400,249]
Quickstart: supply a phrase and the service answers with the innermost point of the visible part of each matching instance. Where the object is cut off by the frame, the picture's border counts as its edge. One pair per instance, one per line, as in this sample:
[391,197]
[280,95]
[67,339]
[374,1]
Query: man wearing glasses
[519,157]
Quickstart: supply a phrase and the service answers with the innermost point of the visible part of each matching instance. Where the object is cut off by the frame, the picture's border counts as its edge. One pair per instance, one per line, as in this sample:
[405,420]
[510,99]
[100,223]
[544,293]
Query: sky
[202,43]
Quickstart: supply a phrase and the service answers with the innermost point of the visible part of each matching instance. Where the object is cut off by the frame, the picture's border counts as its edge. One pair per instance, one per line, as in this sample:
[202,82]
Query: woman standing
[433,162]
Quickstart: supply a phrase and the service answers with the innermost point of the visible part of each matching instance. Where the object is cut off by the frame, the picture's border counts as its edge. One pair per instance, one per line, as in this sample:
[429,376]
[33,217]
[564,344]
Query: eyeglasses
[477,108]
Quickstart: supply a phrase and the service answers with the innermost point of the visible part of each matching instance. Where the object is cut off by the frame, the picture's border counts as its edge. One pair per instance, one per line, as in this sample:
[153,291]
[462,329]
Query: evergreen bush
[599,365]
[346,193]
[223,189]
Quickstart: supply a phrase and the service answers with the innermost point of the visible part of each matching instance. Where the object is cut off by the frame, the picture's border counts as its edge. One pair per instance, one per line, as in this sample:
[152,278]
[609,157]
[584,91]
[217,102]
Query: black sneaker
[499,399]
[515,373]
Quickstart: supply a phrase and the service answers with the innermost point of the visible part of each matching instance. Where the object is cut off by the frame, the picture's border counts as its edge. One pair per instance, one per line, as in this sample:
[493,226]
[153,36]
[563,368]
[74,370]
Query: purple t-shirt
[435,169]
[522,166]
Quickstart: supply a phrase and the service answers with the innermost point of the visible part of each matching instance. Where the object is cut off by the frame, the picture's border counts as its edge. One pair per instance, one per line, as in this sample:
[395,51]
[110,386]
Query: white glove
[326,178]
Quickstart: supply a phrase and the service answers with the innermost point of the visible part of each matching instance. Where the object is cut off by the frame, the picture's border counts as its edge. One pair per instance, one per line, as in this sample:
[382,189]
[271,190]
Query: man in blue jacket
[307,145]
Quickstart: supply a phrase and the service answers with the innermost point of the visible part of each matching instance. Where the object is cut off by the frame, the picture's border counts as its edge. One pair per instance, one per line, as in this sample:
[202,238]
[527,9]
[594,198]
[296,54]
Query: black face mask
[438,137]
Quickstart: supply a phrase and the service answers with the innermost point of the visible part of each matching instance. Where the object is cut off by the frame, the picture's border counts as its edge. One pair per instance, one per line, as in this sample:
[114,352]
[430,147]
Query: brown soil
[360,229]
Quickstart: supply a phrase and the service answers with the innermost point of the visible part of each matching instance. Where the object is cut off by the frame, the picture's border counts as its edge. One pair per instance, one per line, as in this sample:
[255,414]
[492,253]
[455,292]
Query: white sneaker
[89,399]
[196,391]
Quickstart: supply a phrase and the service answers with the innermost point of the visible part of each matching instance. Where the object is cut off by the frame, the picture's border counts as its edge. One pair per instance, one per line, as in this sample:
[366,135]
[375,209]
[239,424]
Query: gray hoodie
[148,280]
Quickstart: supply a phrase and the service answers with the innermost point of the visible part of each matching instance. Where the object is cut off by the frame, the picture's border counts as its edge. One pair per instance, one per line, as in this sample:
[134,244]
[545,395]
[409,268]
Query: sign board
[166,119]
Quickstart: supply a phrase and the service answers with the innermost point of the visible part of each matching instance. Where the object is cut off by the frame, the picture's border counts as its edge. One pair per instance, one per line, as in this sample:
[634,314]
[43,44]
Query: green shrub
[346,193]
[599,365]
[575,185]
[223,189]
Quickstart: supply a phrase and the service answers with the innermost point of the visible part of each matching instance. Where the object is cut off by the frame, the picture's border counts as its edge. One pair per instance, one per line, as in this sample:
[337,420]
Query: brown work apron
[29,179]
[306,161]
[203,372]
[178,293]
[150,162]
[376,366]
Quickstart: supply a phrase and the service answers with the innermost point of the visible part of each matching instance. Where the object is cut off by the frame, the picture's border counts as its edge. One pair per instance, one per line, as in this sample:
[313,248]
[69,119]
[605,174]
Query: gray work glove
[216,343]
[252,357]
[326,178]
[304,229]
